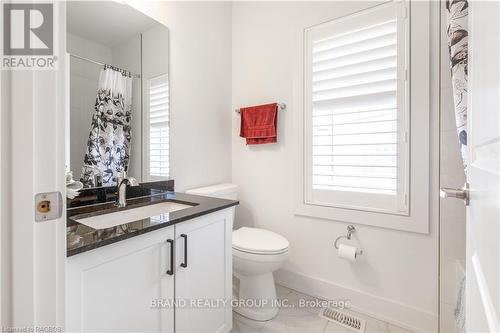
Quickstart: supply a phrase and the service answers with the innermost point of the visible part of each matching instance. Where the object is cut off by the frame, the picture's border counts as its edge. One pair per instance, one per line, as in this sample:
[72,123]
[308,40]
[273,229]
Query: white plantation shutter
[357,112]
[158,122]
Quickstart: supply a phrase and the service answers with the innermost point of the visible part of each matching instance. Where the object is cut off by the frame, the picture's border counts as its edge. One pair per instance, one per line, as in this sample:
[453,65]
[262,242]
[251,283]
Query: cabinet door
[116,288]
[204,273]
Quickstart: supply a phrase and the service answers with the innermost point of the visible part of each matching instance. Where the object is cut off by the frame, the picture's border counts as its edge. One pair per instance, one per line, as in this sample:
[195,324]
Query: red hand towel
[259,124]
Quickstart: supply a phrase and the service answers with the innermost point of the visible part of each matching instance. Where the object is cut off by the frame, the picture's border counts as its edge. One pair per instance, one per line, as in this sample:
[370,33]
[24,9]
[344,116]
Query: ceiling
[106,22]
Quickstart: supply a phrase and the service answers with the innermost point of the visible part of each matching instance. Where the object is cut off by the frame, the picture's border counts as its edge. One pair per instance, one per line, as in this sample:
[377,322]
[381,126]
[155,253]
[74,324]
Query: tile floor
[304,320]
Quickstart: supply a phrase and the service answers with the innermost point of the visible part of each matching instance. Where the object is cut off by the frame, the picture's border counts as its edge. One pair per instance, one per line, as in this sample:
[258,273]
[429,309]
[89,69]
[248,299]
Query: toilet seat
[259,241]
[258,257]
[262,253]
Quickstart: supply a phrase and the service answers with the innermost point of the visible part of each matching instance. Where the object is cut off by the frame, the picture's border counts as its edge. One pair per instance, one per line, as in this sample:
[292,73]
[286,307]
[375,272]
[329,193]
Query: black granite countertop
[81,238]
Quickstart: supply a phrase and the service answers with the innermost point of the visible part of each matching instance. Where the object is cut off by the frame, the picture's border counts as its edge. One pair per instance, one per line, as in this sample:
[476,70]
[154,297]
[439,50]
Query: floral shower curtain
[108,146]
[457,30]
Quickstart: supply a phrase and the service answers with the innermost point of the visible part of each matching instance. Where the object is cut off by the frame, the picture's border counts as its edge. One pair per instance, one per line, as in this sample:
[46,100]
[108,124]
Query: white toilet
[257,253]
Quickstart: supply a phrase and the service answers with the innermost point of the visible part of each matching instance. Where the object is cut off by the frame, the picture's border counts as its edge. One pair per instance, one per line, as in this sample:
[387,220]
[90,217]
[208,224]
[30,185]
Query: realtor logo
[28,29]
[28,36]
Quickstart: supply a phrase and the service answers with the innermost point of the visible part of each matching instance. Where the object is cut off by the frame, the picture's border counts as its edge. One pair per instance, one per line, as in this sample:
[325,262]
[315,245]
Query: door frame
[32,143]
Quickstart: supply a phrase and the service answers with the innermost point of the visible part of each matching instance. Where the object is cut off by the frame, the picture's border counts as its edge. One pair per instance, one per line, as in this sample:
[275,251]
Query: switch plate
[48,206]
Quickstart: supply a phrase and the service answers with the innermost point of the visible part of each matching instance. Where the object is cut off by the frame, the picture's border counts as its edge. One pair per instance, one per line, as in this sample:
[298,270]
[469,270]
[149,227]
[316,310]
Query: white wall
[396,278]
[200,80]
[127,55]
[452,213]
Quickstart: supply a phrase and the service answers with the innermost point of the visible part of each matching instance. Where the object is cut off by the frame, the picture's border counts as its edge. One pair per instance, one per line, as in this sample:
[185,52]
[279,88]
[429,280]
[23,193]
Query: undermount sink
[110,220]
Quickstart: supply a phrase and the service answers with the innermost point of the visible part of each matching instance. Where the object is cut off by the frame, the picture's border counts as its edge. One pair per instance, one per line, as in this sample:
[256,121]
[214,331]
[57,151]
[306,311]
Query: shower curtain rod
[103,64]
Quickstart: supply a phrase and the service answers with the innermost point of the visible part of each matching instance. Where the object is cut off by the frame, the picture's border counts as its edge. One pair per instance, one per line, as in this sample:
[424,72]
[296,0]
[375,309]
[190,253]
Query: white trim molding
[341,95]
[417,219]
[390,311]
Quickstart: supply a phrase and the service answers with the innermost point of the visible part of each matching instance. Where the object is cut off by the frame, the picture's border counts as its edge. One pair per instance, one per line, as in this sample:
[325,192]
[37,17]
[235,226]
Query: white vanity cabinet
[118,287]
[203,274]
[111,289]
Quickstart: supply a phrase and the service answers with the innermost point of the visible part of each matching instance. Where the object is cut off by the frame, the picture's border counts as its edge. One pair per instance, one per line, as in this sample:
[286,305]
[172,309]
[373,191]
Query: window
[357,113]
[158,128]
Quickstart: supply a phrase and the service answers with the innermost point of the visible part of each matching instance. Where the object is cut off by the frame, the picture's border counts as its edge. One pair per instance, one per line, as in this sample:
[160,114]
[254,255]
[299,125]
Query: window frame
[146,174]
[423,134]
[357,200]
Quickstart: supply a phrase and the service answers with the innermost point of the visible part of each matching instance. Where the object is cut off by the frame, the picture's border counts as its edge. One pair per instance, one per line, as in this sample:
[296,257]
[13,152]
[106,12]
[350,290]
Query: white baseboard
[399,314]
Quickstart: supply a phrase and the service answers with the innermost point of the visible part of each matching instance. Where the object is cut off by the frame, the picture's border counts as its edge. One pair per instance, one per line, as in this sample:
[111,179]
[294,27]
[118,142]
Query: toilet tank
[223,191]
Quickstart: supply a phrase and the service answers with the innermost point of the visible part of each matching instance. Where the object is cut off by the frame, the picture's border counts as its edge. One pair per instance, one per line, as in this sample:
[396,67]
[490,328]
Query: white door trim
[35,144]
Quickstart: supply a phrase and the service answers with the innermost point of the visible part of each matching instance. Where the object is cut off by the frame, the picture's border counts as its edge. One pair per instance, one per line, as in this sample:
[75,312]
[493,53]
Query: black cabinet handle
[171,270]
[185,263]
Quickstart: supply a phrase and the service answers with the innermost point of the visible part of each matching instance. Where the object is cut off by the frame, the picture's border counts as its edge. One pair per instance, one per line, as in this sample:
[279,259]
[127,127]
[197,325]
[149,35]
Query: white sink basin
[130,215]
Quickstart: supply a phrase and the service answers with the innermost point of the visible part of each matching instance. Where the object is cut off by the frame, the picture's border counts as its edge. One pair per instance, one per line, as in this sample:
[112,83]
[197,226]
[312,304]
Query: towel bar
[281,106]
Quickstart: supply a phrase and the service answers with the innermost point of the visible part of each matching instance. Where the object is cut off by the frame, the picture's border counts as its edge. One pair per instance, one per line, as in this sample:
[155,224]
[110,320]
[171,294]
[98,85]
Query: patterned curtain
[457,14]
[108,146]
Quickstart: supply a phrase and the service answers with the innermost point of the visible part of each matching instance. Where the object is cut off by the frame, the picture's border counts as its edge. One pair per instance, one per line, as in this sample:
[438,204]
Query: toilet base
[256,297]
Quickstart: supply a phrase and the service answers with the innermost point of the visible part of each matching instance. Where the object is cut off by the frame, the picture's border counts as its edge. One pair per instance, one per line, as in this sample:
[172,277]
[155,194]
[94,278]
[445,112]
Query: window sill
[416,222]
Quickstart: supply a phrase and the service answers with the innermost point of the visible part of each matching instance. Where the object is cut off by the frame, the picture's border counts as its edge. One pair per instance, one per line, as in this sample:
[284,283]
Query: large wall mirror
[118,113]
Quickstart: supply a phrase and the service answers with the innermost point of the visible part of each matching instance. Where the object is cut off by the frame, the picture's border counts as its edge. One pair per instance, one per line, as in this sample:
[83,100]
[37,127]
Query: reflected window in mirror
[158,129]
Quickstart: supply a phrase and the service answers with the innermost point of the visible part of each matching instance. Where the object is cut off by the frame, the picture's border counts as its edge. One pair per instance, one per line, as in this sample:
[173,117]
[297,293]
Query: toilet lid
[255,240]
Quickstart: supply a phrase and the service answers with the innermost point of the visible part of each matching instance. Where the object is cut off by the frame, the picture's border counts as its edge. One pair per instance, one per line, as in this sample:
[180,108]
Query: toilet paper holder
[350,231]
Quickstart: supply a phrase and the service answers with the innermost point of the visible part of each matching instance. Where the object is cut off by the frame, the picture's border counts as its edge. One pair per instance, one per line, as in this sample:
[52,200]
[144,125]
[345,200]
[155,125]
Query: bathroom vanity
[140,275]
[137,258]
